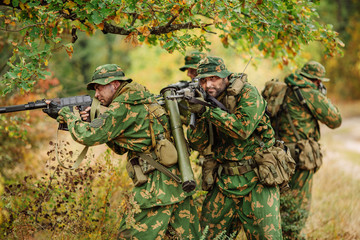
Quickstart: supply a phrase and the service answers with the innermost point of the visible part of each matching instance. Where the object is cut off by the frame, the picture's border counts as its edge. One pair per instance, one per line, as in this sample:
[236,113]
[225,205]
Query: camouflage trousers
[296,203]
[258,213]
[175,221]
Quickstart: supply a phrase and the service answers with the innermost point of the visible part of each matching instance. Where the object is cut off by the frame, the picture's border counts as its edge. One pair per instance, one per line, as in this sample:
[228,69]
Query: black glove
[53,109]
[195,105]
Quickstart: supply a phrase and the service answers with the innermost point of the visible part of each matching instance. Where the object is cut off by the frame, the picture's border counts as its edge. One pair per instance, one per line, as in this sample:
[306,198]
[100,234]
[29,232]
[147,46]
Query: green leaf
[96,17]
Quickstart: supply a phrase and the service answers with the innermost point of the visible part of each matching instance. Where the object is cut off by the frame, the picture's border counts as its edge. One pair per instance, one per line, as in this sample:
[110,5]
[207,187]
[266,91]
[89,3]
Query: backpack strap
[300,97]
[302,101]
[286,110]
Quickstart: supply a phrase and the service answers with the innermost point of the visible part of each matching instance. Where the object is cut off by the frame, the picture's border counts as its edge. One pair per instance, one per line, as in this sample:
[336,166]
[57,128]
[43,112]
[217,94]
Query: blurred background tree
[344,72]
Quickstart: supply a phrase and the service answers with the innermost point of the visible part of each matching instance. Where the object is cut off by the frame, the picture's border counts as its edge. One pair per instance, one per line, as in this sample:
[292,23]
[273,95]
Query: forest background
[40,200]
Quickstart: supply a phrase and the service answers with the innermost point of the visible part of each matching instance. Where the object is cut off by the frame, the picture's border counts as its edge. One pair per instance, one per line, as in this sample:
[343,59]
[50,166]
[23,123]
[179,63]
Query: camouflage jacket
[305,119]
[125,128]
[234,135]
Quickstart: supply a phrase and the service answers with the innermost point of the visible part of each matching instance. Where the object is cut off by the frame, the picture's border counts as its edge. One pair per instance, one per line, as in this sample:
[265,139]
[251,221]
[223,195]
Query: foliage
[292,217]
[14,127]
[86,202]
[276,28]
[2,211]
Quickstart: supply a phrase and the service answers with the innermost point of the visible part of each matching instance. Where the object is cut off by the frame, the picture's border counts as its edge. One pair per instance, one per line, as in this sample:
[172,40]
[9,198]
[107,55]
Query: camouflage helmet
[107,73]
[192,59]
[212,66]
[314,70]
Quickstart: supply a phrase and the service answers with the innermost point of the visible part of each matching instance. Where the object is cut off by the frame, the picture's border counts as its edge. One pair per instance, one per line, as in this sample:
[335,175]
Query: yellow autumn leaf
[175,9]
[225,41]
[154,23]
[144,30]
[66,11]
[216,19]
[7,2]
[69,49]
[117,19]
[132,39]
[70,4]
[23,6]
[100,26]
[46,62]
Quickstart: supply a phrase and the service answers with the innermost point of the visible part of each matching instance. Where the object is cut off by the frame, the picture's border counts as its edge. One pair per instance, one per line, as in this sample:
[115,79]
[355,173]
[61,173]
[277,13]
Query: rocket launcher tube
[188,182]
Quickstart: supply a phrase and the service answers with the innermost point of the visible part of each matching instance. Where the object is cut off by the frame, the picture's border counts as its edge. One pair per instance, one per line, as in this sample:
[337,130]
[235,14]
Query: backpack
[274,93]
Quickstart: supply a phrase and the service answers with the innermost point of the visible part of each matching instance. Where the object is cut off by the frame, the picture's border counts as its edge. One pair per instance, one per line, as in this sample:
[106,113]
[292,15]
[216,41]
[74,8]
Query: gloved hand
[195,105]
[53,109]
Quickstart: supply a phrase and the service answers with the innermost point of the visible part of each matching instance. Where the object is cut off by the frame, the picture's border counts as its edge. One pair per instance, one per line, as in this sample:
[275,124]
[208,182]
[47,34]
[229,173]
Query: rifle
[187,91]
[82,102]
[191,91]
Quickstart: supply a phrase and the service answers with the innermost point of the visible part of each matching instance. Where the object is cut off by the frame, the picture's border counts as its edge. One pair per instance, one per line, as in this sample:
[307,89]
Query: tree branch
[18,30]
[109,28]
[174,17]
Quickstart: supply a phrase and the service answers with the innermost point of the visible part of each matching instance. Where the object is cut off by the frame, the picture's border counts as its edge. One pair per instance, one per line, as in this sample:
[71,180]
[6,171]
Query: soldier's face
[317,82]
[105,93]
[214,85]
[191,72]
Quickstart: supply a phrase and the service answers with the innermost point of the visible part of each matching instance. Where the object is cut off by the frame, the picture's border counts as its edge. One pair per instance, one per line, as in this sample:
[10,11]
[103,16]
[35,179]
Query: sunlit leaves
[276,28]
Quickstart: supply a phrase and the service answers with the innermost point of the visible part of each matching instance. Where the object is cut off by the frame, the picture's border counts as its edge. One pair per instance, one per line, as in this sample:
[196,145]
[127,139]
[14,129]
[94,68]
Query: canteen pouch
[275,166]
[308,154]
[135,172]
[166,152]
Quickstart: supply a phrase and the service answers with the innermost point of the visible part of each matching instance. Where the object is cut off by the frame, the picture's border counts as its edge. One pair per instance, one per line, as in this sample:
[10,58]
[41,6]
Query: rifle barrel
[23,107]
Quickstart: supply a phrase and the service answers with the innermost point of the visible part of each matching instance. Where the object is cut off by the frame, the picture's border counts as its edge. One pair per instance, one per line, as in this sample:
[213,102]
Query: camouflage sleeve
[116,148]
[246,117]
[101,130]
[322,108]
[199,137]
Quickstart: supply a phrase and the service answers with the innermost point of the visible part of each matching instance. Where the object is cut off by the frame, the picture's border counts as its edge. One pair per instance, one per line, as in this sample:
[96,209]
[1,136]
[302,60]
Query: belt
[236,168]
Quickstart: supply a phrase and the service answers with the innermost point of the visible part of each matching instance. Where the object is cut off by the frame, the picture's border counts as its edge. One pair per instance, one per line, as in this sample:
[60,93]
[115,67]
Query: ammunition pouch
[136,169]
[307,154]
[166,152]
[275,166]
[209,172]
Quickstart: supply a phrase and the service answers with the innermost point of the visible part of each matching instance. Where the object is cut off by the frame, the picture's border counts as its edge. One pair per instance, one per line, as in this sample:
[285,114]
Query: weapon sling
[303,102]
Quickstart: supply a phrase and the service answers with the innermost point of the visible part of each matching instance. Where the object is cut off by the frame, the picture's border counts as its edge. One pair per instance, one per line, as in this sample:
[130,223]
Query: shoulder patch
[98,122]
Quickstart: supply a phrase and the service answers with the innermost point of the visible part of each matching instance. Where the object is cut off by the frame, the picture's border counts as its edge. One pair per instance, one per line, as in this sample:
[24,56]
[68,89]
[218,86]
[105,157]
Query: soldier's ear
[115,84]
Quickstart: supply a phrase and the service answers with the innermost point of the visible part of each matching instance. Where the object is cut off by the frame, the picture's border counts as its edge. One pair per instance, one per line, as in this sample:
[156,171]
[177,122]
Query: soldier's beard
[216,91]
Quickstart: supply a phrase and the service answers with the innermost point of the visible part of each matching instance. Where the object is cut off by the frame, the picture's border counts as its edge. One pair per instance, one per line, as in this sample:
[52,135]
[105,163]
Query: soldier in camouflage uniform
[191,61]
[127,126]
[237,198]
[305,119]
